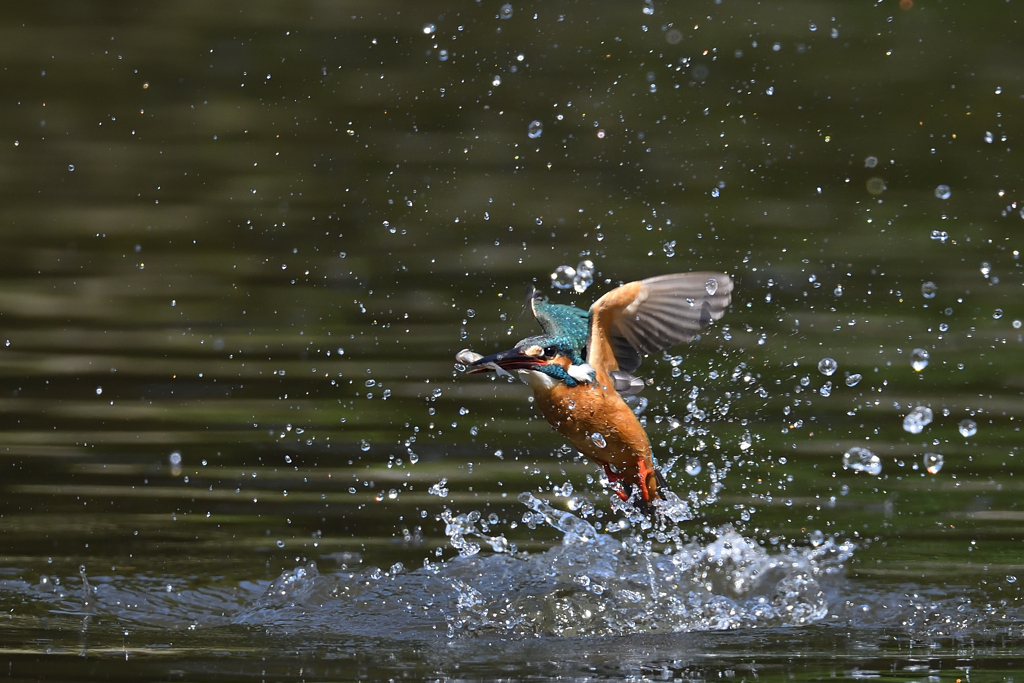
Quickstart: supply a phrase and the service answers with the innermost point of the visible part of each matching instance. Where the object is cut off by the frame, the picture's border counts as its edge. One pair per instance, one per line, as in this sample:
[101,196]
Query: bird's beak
[501,362]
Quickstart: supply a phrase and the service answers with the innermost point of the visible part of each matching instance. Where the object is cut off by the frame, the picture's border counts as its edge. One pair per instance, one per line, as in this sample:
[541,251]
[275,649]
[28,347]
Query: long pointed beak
[501,362]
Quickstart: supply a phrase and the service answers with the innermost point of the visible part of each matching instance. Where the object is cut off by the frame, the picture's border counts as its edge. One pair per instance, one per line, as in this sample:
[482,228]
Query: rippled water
[561,604]
[242,245]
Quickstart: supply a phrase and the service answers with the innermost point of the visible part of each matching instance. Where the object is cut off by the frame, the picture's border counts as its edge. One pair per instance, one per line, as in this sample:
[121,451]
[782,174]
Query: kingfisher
[582,366]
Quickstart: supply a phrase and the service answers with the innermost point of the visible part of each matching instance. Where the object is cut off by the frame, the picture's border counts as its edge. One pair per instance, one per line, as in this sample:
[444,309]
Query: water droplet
[826,389]
[870,162]
[917,419]
[506,11]
[648,7]
[442,55]
[99,390]
[989,137]
[428,29]
[933,462]
[71,167]
[997,314]
[827,366]
[534,130]
[745,441]
[919,359]
[928,290]
[968,427]
[598,440]
[862,460]
[943,192]
[584,276]
[693,466]
[496,81]
[940,235]
[838,291]
[280,544]
[875,185]
[563,277]
[669,248]
[985,268]
[370,382]
[711,286]
[853,380]
[364,445]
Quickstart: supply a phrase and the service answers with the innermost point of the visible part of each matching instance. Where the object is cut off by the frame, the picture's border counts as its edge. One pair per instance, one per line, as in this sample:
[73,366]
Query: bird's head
[557,354]
[541,362]
[528,354]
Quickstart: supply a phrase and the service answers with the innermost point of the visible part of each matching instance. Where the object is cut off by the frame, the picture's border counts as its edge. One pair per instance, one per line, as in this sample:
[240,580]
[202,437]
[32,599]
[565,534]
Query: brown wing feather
[653,314]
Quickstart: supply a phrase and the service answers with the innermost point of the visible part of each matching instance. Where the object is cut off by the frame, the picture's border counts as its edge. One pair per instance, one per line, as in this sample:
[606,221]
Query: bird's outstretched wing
[653,314]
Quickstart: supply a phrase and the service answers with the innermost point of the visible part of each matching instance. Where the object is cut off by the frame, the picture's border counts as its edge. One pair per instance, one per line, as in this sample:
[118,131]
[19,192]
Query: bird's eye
[550,352]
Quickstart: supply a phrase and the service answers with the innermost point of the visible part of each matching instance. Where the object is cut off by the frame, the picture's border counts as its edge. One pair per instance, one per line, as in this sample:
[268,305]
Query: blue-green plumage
[565,327]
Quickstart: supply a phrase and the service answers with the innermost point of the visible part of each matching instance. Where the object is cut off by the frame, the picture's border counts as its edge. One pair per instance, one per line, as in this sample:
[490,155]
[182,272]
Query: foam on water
[592,584]
[600,584]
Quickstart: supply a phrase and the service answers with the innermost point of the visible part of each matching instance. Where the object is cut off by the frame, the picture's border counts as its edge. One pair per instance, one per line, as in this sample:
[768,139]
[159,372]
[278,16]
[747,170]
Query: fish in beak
[500,363]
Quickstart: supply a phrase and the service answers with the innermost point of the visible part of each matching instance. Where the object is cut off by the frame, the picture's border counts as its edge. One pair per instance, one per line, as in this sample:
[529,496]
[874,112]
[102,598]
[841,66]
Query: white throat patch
[582,373]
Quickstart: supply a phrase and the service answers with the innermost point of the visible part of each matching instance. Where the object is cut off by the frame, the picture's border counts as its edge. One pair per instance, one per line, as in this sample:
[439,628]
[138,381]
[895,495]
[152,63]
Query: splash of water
[459,527]
[595,584]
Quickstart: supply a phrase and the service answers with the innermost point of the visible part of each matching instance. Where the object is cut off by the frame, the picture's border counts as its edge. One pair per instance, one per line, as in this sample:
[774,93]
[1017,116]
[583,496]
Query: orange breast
[580,412]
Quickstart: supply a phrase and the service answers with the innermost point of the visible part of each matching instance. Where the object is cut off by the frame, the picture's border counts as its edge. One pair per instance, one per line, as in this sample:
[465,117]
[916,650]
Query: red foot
[624,488]
[643,471]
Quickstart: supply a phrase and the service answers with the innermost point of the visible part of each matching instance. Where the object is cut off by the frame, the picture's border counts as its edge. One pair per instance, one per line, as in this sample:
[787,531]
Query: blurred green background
[241,244]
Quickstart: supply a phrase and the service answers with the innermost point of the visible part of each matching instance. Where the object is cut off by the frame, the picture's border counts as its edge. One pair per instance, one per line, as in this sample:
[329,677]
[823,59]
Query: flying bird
[582,366]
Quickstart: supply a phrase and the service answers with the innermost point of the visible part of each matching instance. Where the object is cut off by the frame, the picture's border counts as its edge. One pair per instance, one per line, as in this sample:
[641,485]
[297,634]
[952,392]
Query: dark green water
[242,243]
